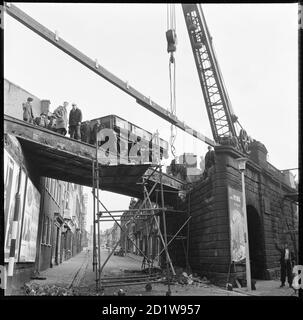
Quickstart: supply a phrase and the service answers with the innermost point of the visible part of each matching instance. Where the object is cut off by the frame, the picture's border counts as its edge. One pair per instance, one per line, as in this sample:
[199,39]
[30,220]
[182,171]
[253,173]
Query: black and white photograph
[151,149]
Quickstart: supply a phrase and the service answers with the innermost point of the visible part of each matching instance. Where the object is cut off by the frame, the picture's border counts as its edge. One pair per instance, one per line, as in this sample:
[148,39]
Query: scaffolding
[149,214]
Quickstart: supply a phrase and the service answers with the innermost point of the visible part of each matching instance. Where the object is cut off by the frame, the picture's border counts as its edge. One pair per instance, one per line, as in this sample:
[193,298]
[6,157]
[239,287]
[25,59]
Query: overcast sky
[256,46]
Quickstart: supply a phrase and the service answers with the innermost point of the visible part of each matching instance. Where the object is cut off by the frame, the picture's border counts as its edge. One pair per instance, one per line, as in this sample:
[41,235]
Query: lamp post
[241,166]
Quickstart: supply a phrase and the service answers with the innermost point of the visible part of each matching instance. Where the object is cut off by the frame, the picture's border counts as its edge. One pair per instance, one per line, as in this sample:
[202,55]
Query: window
[67,200]
[52,186]
[59,195]
[55,190]
[49,231]
[45,229]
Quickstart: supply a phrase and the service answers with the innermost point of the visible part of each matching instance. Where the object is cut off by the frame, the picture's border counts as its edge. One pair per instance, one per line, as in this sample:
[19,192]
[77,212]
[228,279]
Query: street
[77,277]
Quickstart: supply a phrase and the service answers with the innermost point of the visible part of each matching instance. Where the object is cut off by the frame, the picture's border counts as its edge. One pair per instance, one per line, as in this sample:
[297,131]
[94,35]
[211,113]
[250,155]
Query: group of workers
[57,121]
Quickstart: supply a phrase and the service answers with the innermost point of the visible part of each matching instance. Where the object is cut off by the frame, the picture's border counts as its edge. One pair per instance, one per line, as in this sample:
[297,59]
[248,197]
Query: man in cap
[287,259]
[61,118]
[75,118]
[28,115]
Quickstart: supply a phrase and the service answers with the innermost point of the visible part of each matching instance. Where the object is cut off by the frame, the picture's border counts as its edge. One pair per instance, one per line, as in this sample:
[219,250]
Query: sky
[256,47]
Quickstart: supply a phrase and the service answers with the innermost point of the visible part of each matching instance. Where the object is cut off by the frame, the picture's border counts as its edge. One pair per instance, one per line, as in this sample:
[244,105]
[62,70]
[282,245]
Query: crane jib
[219,109]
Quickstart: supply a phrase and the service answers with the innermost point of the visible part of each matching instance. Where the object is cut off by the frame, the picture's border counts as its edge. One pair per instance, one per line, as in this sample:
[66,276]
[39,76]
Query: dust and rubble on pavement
[124,277]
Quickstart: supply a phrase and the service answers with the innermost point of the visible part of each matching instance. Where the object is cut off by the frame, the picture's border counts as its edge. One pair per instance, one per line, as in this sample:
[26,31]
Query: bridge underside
[62,158]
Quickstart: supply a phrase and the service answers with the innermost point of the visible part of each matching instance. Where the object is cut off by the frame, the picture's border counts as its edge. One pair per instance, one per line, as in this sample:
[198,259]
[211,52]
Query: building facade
[51,213]
[140,236]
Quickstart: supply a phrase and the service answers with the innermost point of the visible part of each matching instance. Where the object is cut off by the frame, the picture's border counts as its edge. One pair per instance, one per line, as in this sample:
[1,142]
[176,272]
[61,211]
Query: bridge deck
[66,159]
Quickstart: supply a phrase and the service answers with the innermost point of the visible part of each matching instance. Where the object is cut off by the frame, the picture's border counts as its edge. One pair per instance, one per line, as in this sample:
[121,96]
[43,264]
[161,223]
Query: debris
[34,289]
[148,287]
[184,279]
[152,270]
[205,280]
[121,292]
[229,287]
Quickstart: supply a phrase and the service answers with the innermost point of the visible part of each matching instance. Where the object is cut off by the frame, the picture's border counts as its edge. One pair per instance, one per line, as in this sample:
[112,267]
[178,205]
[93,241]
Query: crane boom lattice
[216,99]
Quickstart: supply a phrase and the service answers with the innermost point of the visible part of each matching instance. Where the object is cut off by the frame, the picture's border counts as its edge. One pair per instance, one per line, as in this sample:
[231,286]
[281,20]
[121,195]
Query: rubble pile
[184,278]
[34,289]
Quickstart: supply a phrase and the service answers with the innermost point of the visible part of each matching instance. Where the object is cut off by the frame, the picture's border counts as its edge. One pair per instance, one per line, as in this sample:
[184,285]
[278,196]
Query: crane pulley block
[171,38]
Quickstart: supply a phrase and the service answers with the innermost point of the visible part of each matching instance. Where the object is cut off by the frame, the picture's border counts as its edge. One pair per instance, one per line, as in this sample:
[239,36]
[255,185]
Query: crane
[219,109]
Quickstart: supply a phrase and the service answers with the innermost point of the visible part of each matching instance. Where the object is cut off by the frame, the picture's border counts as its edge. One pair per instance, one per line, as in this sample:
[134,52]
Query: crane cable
[171,48]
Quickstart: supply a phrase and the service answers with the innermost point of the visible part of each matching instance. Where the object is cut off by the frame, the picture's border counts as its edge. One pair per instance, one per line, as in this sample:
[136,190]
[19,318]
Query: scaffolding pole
[176,234]
[122,229]
[187,240]
[138,215]
[95,269]
[165,236]
[131,210]
[96,175]
[163,242]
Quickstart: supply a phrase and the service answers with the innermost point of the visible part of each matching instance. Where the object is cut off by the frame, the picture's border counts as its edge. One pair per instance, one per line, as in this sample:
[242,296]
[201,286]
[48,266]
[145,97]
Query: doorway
[255,238]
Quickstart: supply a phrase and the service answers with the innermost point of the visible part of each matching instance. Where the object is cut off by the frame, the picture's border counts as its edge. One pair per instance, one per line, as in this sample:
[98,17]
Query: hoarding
[30,224]
[237,226]
[11,180]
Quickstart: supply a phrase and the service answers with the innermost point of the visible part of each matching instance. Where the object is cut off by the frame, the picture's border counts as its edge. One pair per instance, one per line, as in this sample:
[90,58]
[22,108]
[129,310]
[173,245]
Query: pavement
[77,274]
[66,274]
[268,288]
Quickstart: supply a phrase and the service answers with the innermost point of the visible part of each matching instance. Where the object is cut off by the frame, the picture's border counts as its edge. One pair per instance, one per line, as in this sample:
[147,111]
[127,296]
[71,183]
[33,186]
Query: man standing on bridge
[75,118]
[28,115]
[61,118]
